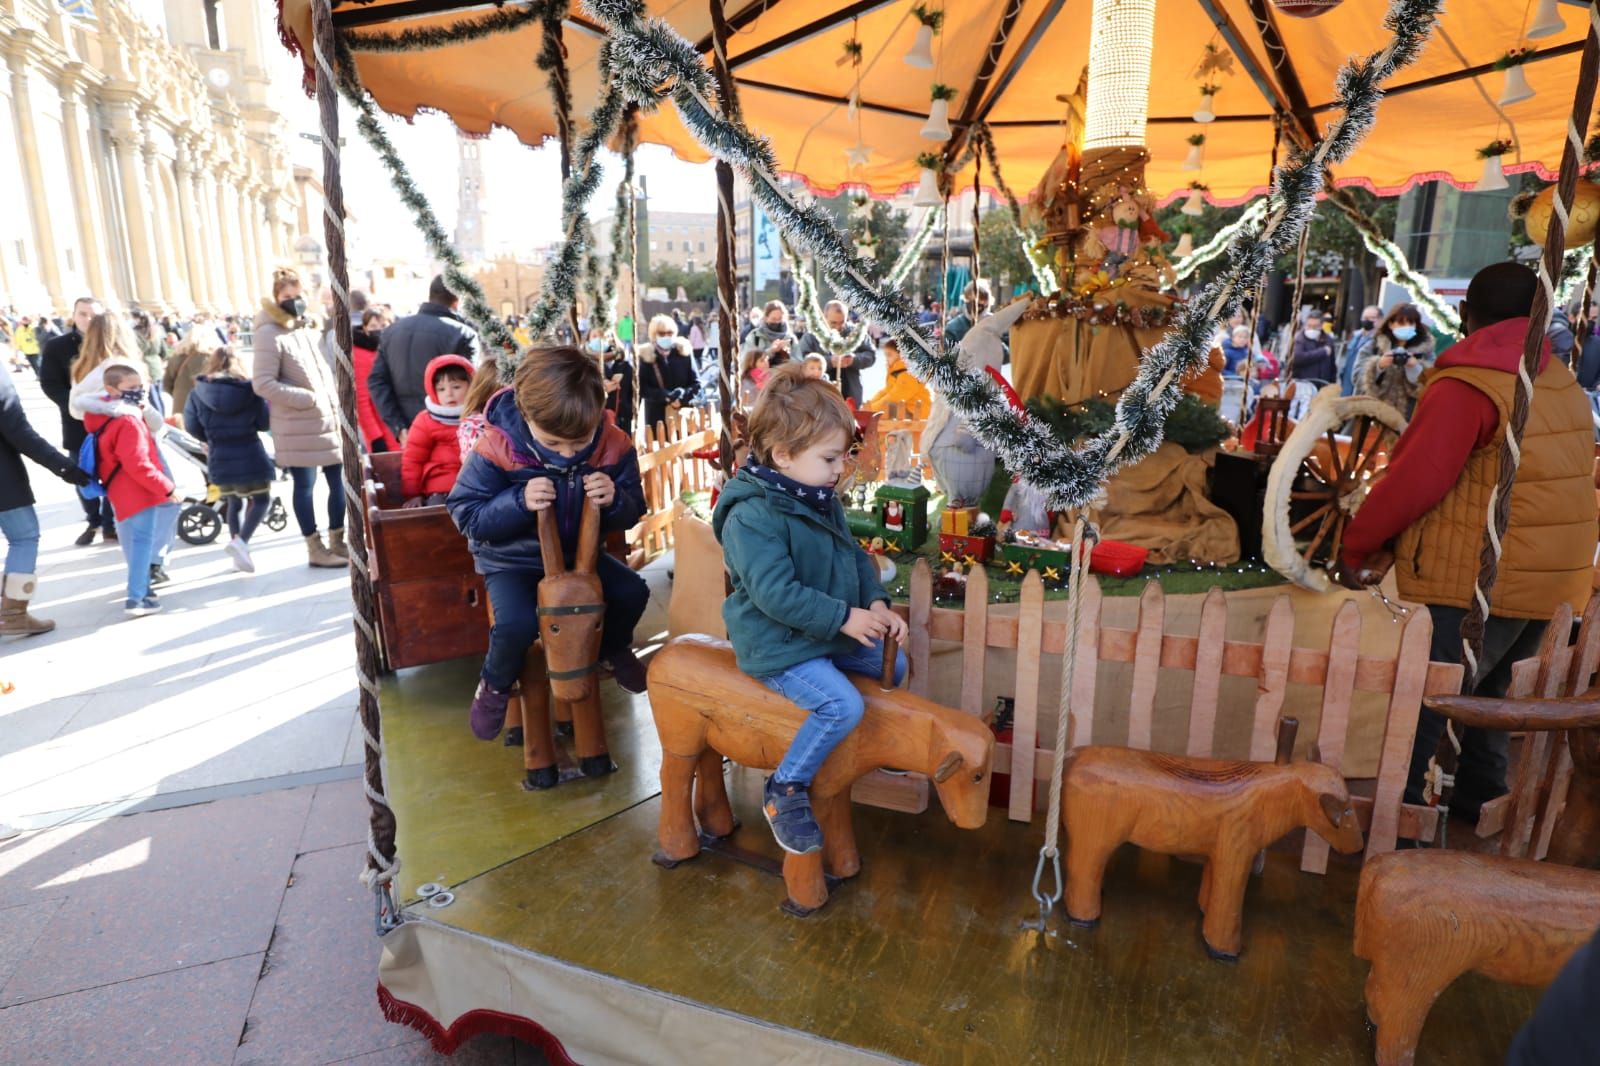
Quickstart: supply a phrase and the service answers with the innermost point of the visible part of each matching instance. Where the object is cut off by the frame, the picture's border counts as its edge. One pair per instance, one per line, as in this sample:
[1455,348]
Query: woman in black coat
[667,378]
[224,411]
[620,395]
[18,521]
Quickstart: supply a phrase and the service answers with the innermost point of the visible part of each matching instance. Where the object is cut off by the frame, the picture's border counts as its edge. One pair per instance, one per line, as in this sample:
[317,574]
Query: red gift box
[980,548]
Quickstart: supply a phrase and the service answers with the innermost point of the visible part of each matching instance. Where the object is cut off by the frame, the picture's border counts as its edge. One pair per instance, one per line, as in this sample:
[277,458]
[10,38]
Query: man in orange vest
[1426,516]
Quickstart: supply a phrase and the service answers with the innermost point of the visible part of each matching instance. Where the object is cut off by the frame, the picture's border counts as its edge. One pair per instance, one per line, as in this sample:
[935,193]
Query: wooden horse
[1226,810]
[563,662]
[1424,918]
[705,708]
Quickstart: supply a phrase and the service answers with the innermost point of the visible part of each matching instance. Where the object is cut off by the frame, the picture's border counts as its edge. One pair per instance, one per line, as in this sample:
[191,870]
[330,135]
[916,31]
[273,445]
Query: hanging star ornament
[858,154]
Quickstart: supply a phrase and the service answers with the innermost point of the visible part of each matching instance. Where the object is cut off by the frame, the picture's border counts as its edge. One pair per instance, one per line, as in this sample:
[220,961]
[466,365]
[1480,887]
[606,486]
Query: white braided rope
[1069,661]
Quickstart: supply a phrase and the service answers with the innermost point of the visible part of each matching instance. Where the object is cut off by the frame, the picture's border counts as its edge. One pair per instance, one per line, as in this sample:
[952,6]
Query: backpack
[88,460]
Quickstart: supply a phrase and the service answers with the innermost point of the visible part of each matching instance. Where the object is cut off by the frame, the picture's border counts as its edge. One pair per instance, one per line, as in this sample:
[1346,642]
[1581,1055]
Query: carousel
[1122,627]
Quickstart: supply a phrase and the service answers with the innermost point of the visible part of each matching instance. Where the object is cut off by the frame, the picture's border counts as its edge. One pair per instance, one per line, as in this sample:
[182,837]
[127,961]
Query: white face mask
[1313,334]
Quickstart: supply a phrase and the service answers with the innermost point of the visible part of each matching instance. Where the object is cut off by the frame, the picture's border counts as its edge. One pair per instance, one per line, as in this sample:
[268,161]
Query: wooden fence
[668,468]
[1338,669]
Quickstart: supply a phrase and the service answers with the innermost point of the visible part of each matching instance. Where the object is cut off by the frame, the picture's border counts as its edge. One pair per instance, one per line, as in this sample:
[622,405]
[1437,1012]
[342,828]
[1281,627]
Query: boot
[336,543]
[15,621]
[318,555]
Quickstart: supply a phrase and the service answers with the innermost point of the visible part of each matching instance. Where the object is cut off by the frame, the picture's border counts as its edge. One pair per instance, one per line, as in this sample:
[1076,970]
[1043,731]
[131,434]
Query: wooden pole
[727,257]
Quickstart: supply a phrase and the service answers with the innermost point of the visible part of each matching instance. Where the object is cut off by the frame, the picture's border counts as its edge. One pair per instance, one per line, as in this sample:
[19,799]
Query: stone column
[128,143]
[164,230]
[90,220]
[250,222]
[227,243]
[33,178]
[187,221]
[210,236]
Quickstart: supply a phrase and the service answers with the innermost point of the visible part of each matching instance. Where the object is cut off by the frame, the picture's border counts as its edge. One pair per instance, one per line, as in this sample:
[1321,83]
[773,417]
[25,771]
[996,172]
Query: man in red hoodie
[1426,516]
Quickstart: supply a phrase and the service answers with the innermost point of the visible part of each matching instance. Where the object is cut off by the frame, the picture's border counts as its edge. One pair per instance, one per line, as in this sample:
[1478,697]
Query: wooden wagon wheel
[1319,479]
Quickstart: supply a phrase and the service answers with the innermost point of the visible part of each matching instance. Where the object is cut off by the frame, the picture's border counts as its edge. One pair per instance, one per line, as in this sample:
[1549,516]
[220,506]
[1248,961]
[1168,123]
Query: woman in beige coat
[292,375]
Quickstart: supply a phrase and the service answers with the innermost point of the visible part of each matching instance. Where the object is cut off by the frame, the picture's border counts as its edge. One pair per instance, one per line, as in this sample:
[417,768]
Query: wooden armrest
[1527,715]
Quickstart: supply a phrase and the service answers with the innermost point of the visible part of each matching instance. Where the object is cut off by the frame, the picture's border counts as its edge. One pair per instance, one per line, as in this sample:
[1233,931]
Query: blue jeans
[20,526]
[820,687]
[145,538]
[514,595]
[305,478]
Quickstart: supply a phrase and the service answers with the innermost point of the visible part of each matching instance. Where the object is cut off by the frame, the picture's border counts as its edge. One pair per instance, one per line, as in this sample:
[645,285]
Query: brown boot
[15,621]
[336,543]
[318,555]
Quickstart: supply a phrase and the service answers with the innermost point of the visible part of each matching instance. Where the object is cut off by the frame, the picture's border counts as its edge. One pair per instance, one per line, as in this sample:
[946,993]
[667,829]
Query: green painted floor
[920,957]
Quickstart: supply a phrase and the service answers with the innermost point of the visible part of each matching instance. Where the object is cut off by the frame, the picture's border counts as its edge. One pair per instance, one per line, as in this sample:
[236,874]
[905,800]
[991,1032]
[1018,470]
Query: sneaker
[140,608]
[86,538]
[109,535]
[159,576]
[488,712]
[628,671]
[239,552]
[788,811]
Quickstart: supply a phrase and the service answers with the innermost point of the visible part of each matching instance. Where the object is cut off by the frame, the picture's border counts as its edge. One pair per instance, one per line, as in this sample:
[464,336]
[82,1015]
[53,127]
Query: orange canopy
[786,56]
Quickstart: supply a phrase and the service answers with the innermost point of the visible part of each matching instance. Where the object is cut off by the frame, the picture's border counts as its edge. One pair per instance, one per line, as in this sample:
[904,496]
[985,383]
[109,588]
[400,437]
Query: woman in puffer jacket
[667,379]
[293,376]
[1390,366]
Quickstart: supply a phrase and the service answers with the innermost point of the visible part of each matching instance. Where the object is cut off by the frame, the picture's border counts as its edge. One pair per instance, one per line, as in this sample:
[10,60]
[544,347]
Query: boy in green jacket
[806,603]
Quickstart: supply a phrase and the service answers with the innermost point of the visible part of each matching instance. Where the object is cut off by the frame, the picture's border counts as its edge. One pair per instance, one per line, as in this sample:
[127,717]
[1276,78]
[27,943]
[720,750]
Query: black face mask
[133,396]
[294,306]
[1368,324]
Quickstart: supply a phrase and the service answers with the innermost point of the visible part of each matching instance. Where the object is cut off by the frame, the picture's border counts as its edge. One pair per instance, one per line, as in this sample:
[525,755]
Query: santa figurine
[894,516]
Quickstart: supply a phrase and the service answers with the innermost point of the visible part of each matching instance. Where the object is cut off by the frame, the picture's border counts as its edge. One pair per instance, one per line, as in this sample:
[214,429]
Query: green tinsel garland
[504,20]
[603,309]
[1400,272]
[1193,424]
[811,310]
[1044,274]
[1219,243]
[476,306]
[654,61]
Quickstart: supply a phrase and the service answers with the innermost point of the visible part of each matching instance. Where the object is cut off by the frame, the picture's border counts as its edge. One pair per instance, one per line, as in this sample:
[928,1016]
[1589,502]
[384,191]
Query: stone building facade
[149,165]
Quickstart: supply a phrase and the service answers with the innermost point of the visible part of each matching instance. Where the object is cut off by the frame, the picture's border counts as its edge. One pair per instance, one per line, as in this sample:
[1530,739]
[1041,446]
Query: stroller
[201,519]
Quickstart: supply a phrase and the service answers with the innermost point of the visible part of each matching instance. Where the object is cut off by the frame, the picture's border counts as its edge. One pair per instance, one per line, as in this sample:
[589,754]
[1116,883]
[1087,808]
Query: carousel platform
[564,933]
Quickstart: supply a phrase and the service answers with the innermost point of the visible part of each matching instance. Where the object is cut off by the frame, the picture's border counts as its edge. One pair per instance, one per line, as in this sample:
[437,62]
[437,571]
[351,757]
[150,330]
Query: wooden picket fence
[668,468]
[1339,670]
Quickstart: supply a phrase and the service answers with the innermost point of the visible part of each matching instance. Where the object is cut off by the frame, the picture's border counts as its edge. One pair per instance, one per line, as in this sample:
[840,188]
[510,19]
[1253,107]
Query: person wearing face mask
[398,380]
[771,335]
[620,390]
[842,369]
[375,432]
[129,466]
[55,378]
[1354,348]
[291,373]
[667,381]
[1313,352]
[1391,367]
[1425,516]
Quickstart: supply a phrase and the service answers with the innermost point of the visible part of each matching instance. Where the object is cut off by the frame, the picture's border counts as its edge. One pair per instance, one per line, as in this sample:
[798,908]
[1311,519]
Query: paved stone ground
[186,891]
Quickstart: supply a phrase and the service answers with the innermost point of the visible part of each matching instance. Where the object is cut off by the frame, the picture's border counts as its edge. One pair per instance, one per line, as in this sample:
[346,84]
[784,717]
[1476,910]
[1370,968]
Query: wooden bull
[1227,811]
[562,663]
[705,708]
[1424,918]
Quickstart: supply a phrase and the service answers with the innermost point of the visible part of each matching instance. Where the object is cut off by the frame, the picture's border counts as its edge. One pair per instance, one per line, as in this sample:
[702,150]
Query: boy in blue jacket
[806,604]
[546,443]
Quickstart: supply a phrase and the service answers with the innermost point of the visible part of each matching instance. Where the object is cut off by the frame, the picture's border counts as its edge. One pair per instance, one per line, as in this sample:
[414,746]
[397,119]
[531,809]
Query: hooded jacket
[1433,497]
[904,389]
[363,353]
[665,377]
[292,375]
[226,413]
[398,378]
[127,461]
[796,574]
[488,505]
[432,456]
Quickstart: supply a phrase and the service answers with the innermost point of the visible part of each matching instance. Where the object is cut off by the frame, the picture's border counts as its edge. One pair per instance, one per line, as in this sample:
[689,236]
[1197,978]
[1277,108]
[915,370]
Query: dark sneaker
[86,538]
[159,576]
[109,535]
[628,671]
[488,712]
[788,811]
[140,608]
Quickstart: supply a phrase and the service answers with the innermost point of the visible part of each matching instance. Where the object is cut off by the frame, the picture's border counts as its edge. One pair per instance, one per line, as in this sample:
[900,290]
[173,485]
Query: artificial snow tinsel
[422,39]
[603,303]
[1573,270]
[1219,243]
[1400,272]
[653,61]
[811,310]
[477,308]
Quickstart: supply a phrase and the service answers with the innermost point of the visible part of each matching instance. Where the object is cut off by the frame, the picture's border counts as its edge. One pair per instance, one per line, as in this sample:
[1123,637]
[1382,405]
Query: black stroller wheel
[198,524]
[277,518]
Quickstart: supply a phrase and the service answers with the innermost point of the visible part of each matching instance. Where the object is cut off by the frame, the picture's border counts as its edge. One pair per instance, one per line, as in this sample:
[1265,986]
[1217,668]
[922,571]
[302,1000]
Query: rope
[1083,536]
[382,865]
[1499,511]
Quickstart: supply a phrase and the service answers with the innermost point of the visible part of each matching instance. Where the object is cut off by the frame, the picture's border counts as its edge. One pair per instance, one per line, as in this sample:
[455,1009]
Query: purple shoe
[488,712]
[628,671]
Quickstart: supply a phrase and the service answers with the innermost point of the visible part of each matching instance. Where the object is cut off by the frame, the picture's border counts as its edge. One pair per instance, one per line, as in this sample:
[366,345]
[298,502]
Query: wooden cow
[1224,810]
[705,708]
[563,662]
[1424,918]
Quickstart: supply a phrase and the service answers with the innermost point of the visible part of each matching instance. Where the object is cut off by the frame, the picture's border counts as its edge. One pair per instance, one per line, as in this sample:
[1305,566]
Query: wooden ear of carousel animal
[1168,666]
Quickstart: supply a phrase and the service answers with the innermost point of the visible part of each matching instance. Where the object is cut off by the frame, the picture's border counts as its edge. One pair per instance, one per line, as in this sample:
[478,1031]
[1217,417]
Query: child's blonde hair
[485,383]
[795,412]
[225,362]
[750,360]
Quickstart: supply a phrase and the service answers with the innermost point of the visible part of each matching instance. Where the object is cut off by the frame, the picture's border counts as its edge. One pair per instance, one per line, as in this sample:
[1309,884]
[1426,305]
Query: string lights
[1120,43]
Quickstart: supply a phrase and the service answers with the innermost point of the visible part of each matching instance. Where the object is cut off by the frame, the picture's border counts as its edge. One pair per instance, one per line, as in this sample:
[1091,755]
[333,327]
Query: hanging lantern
[1193,160]
[1493,178]
[1306,9]
[852,105]
[1582,219]
[921,54]
[1195,205]
[1203,113]
[927,190]
[1185,247]
[1516,88]
[938,124]
[1547,21]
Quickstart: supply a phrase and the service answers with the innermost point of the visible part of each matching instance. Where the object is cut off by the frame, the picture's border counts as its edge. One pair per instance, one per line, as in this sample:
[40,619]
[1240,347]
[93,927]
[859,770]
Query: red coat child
[432,456]
[127,461]
[363,352]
